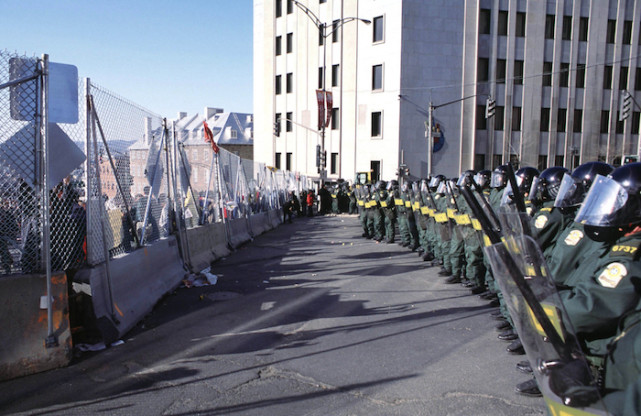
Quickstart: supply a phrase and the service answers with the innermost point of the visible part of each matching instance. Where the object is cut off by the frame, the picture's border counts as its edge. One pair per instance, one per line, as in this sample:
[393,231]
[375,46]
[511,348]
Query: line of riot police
[557,252]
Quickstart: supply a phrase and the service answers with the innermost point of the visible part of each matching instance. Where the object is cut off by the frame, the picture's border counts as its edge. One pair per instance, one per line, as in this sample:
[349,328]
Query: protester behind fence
[29,229]
[288,208]
[8,233]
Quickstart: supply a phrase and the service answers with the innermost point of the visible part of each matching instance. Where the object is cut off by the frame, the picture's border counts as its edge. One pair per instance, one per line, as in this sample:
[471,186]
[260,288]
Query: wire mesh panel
[20,197]
[127,172]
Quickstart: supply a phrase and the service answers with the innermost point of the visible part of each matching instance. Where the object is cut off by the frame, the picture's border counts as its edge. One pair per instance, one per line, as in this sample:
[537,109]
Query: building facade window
[481,121]
[561,119]
[636,118]
[580,76]
[378,29]
[545,119]
[290,7]
[278,85]
[335,74]
[619,126]
[277,121]
[501,65]
[377,124]
[610,35]
[578,121]
[336,119]
[234,134]
[518,72]
[547,74]
[607,77]
[321,34]
[516,118]
[482,70]
[543,162]
[637,79]
[288,121]
[498,118]
[320,78]
[333,164]
[502,23]
[566,31]
[564,74]
[623,78]
[485,20]
[605,121]
[289,82]
[335,31]
[279,8]
[520,25]
[278,46]
[377,77]
[288,161]
[277,160]
[627,32]
[290,42]
[549,26]
[584,25]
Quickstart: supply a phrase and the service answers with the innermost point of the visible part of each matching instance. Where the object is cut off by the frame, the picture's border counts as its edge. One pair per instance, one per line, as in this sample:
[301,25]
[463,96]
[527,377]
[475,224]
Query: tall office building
[555,71]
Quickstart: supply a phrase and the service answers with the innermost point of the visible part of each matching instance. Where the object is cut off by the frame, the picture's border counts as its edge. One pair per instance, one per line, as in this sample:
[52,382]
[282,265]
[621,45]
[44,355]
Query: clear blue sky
[165,55]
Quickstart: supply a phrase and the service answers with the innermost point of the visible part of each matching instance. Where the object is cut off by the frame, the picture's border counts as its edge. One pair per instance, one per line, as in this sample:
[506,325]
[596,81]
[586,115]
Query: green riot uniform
[622,369]
[548,224]
[362,211]
[377,215]
[389,215]
[474,269]
[411,222]
[403,227]
[572,249]
[444,223]
[606,292]
[457,244]
[334,195]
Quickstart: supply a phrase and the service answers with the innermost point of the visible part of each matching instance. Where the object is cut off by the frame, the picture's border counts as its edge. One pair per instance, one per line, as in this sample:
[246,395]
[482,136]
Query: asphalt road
[308,319]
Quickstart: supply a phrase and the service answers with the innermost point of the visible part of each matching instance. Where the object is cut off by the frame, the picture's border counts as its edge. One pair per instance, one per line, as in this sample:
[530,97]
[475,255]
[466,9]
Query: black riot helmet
[483,178]
[392,185]
[525,177]
[499,177]
[466,178]
[546,187]
[574,187]
[612,207]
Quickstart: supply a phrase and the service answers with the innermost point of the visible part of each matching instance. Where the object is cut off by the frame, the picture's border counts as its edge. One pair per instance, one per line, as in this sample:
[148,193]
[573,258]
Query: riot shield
[513,222]
[559,366]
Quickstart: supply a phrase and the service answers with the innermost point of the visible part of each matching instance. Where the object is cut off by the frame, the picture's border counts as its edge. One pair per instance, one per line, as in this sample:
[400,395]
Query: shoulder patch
[540,221]
[612,275]
[573,238]
[546,209]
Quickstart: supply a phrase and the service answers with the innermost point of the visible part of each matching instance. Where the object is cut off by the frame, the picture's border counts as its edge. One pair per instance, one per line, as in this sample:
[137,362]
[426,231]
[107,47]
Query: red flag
[320,97]
[209,137]
[330,102]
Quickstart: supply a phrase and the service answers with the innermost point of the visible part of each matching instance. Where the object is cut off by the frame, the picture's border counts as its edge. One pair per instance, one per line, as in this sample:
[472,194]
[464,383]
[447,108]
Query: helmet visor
[462,181]
[434,182]
[424,187]
[535,190]
[569,194]
[605,198]
[498,180]
[506,199]
[442,188]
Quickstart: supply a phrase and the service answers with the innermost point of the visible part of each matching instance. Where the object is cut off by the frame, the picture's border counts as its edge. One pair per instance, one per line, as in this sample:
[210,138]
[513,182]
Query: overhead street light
[322,30]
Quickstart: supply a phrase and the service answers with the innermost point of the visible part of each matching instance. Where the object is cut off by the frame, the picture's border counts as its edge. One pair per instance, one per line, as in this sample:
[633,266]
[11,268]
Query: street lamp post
[322,29]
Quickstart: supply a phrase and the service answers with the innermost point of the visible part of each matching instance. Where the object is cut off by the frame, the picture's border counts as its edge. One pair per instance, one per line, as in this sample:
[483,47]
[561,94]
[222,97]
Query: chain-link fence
[119,176]
[20,158]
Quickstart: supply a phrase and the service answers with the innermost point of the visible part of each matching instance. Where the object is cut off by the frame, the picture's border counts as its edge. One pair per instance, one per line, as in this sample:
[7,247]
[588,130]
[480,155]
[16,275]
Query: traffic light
[323,158]
[277,128]
[318,156]
[490,104]
[626,105]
